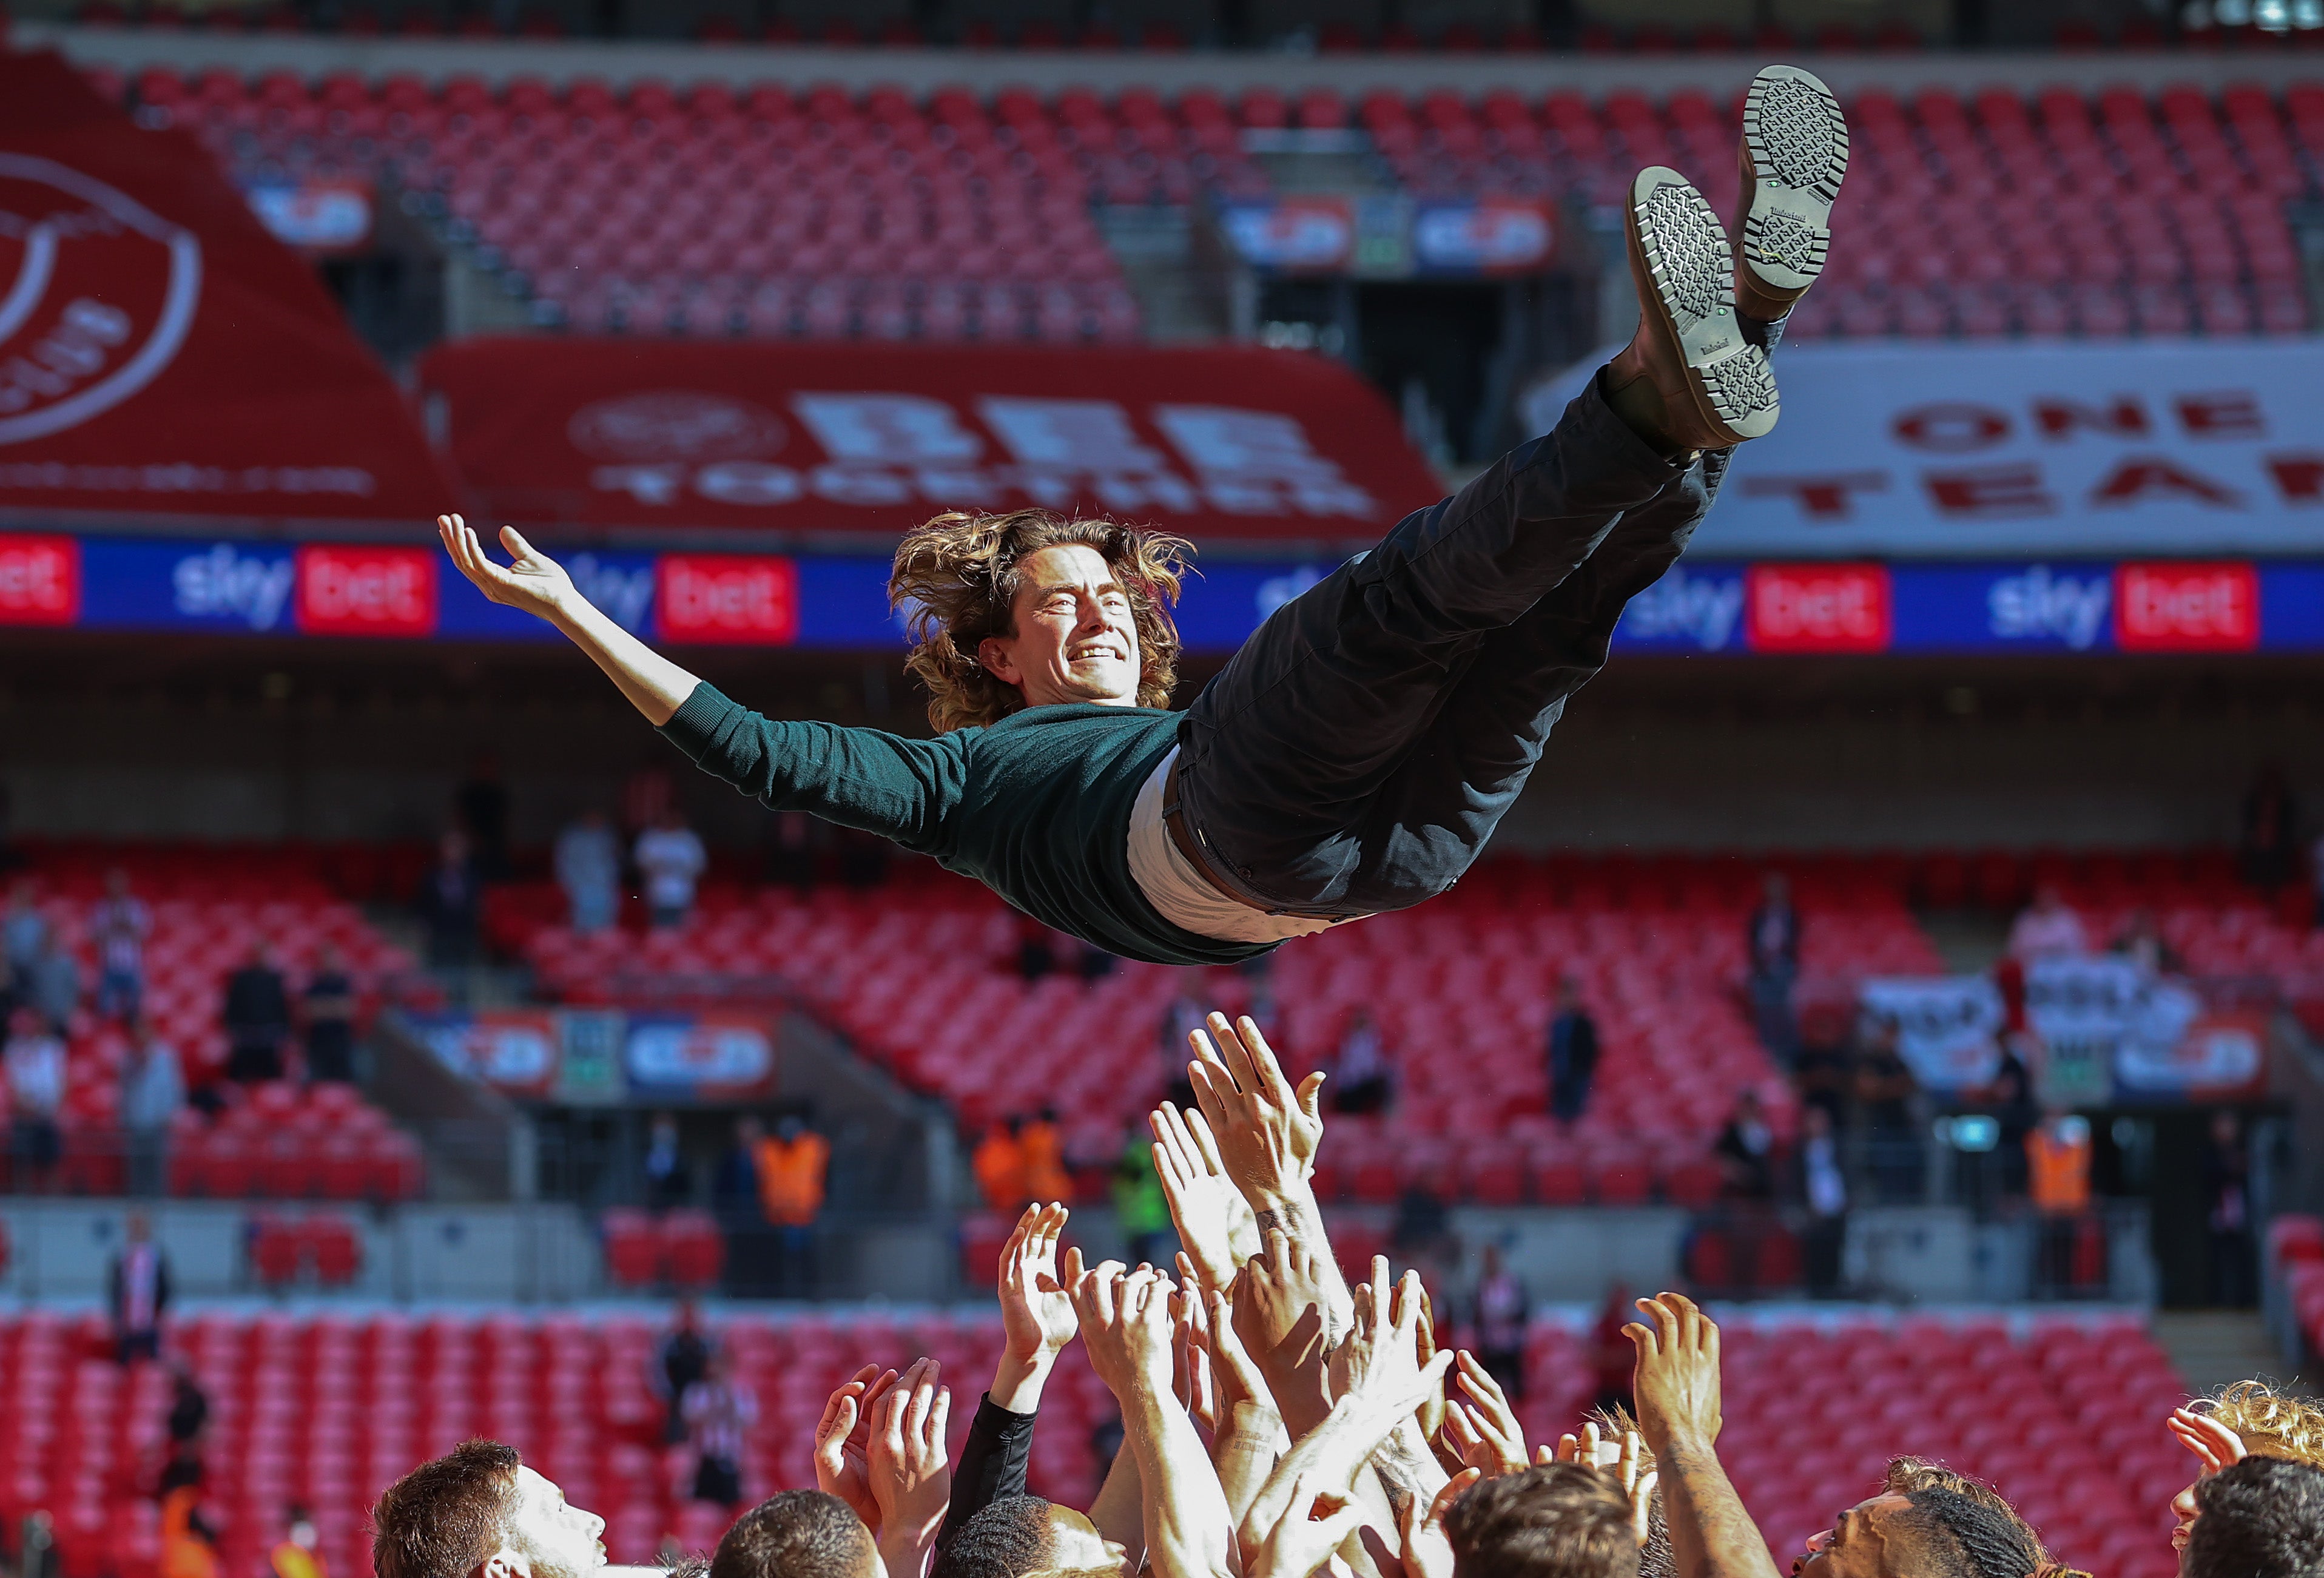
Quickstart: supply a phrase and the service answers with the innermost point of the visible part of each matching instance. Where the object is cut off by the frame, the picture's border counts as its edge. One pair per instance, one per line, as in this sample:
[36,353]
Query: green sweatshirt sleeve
[883,783]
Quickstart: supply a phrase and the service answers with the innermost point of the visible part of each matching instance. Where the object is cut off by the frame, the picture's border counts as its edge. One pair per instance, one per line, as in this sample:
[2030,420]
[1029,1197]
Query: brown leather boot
[1794,154]
[1688,380]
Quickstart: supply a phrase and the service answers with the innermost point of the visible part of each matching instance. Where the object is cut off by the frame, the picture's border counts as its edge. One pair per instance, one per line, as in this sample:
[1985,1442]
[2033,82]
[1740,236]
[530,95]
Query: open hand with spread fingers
[1214,1222]
[1676,1383]
[843,1441]
[1317,1522]
[532,580]
[1268,1132]
[909,1473]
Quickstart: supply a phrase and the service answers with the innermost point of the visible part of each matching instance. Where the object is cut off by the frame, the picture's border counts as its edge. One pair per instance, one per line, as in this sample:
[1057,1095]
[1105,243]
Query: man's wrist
[1018,1380]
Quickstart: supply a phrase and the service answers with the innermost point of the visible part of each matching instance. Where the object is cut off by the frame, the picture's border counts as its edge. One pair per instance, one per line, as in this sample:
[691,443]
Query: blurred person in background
[25,933]
[999,1164]
[1141,1210]
[734,1182]
[189,1411]
[2010,1098]
[152,1089]
[794,849]
[295,1555]
[327,1007]
[719,1412]
[1363,1082]
[118,929]
[1043,1148]
[1036,950]
[2048,928]
[2268,845]
[257,1015]
[56,984]
[1771,953]
[1612,1357]
[450,899]
[1746,1150]
[668,1182]
[481,806]
[1499,1312]
[35,1062]
[669,859]
[138,1292]
[1885,1092]
[588,863]
[794,1174]
[2227,1214]
[1824,1189]
[1573,1053]
[2141,944]
[2058,1168]
[683,1359]
[189,1538]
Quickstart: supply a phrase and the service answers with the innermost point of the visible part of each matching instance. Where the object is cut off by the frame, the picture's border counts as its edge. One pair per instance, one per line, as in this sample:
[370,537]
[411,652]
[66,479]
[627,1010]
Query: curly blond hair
[955,583]
[2271,1423]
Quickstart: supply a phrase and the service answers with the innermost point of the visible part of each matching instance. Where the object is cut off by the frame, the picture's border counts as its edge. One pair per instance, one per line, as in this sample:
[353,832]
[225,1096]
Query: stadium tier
[764,213]
[2065,1416]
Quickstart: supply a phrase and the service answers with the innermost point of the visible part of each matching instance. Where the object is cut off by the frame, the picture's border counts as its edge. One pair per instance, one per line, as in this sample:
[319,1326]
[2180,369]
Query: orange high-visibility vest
[1045,1164]
[2059,1165]
[184,1553]
[1000,1167]
[291,1559]
[791,1178]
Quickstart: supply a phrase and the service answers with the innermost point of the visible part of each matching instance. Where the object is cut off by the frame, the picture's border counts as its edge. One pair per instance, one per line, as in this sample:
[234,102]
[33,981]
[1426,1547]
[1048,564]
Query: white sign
[1945,1025]
[2007,451]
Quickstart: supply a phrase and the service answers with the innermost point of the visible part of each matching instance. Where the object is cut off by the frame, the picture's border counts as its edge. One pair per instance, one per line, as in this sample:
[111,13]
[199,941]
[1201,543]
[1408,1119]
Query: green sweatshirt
[1036,806]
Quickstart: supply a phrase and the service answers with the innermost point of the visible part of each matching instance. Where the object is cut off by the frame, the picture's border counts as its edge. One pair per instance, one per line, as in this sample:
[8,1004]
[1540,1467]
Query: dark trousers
[1357,752]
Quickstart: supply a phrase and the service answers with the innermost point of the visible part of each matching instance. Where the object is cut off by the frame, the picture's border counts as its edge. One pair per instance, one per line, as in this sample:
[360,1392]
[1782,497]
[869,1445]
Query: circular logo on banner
[675,424]
[96,293]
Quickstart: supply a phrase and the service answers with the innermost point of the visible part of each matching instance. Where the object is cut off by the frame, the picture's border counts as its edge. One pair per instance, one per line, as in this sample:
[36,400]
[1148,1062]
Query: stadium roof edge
[921,70]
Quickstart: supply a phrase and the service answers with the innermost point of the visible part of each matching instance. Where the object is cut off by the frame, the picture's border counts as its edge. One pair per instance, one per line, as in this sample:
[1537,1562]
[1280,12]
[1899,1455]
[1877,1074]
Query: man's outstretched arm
[539,584]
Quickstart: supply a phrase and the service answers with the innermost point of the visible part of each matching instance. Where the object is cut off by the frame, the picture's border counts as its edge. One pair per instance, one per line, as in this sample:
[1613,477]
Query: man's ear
[992,655]
[505,1563]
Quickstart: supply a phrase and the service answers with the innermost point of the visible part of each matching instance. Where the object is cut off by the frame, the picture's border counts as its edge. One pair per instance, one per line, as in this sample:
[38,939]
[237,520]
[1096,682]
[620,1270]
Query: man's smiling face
[1075,636]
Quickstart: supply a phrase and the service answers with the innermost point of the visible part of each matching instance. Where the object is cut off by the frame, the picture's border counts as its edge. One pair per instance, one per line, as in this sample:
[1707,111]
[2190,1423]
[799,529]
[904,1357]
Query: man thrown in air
[1356,754]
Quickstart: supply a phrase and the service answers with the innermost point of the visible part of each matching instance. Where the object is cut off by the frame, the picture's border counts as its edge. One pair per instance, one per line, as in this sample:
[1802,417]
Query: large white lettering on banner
[2197,447]
[1945,1025]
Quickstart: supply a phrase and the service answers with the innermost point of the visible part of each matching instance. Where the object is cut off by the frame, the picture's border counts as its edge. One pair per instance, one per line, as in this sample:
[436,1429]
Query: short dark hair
[1959,1536]
[798,1534]
[1556,1520]
[446,1517]
[1007,1538]
[2262,1517]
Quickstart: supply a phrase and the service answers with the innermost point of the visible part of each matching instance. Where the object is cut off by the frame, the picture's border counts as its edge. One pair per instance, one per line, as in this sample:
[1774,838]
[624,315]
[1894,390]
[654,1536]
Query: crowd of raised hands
[1278,1423]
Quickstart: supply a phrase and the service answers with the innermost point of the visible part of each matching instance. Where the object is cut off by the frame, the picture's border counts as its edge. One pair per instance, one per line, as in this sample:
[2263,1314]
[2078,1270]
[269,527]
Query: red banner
[1818,608]
[733,599]
[365,591]
[2187,607]
[159,352]
[1217,443]
[40,579]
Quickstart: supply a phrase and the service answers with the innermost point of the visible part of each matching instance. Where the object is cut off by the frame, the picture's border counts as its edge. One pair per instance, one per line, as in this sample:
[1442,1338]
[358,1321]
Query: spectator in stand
[56,984]
[328,1007]
[1500,1315]
[1771,951]
[25,936]
[118,929]
[189,1541]
[719,1412]
[189,1410]
[2141,944]
[1141,1209]
[257,1018]
[2058,1167]
[2227,1217]
[2269,848]
[139,1292]
[1611,1357]
[1886,1095]
[2015,1111]
[668,1182]
[2048,930]
[152,1089]
[35,1060]
[1036,949]
[481,806]
[450,899]
[588,862]
[1823,1190]
[294,1555]
[683,1359]
[671,859]
[734,1183]
[998,1165]
[1043,1146]
[1362,1081]
[793,851]
[1746,1150]
[1822,1075]
[794,1172]
[1573,1053]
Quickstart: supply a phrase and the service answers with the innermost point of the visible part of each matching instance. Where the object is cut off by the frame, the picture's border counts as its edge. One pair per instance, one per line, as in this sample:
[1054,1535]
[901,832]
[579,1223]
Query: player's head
[1934,1529]
[1029,608]
[2268,1423]
[2262,1517]
[1557,1520]
[798,1534]
[1023,1536]
[478,1512]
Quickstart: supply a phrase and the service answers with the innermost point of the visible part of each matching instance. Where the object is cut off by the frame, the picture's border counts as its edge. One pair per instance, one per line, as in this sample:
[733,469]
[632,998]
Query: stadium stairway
[2212,1347]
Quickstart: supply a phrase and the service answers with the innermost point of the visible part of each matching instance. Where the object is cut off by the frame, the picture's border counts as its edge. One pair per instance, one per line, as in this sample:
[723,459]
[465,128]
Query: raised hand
[2213,1443]
[1214,1222]
[533,581]
[1381,1358]
[1240,1384]
[1197,1385]
[1266,1133]
[1037,1316]
[1317,1522]
[843,1441]
[1427,1551]
[1487,1435]
[1125,1324]
[1676,1384]
[909,1474]
[1279,1312]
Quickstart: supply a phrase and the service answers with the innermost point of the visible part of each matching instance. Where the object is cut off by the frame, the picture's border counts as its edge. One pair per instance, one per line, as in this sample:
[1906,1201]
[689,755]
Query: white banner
[1945,1025]
[2193,446]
